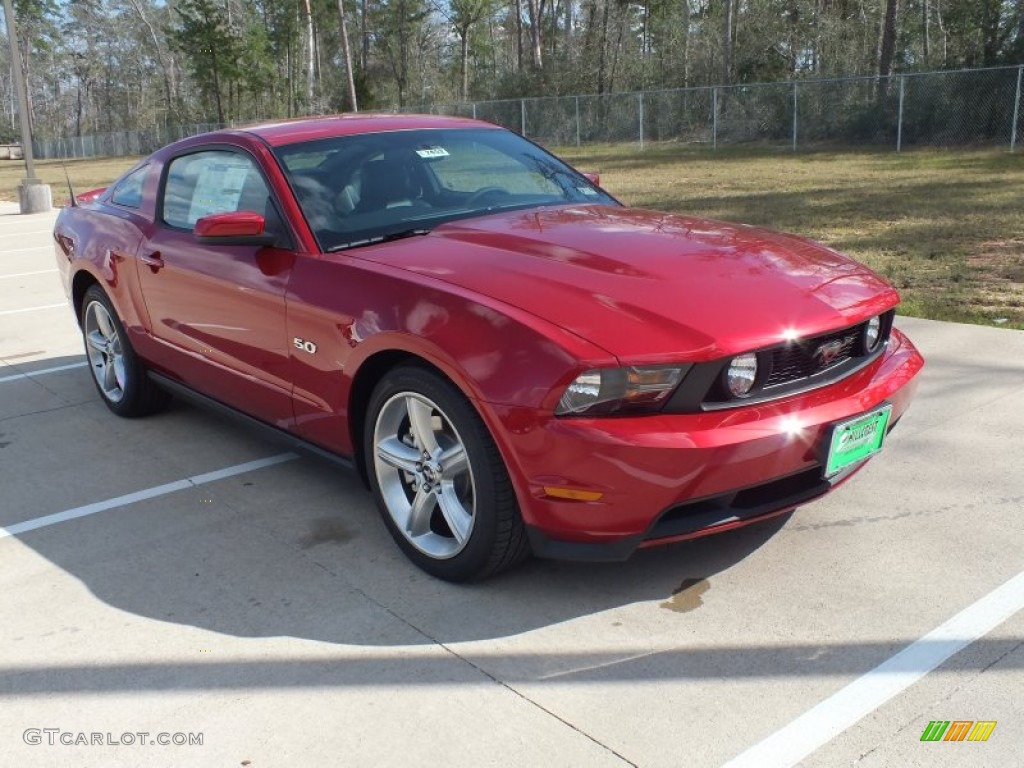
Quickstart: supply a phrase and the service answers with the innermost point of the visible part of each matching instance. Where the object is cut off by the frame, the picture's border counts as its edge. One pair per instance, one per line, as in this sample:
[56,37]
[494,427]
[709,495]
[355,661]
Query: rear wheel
[119,375]
[441,485]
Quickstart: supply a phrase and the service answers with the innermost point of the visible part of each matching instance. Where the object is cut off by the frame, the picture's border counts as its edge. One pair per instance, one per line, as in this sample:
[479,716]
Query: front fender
[354,312]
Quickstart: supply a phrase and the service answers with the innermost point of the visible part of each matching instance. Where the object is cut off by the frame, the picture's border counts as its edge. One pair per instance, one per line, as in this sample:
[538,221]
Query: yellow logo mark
[982,730]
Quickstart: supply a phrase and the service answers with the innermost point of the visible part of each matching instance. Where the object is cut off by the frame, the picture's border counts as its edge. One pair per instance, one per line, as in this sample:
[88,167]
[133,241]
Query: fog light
[740,376]
[872,333]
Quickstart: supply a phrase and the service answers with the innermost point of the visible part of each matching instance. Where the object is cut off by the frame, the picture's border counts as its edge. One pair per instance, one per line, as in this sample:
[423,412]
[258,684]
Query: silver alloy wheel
[103,345]
[424,474]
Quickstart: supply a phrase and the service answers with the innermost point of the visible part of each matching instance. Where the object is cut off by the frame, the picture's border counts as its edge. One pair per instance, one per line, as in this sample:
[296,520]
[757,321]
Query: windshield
[368,188]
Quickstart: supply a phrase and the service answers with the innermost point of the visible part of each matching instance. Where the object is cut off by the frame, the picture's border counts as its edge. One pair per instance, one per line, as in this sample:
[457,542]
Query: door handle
[152,260]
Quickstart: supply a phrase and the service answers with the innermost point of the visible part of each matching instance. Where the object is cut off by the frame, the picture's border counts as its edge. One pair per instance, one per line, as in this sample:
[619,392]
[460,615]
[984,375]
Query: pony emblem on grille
[829,352]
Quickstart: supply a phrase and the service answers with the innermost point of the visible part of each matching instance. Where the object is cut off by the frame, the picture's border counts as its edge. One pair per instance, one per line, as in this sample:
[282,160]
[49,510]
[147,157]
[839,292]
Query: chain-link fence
[980,107]
[118,144]
[960,108]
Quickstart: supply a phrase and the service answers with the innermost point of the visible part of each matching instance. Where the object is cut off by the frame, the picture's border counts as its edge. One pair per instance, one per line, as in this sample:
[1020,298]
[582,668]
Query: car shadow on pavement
[326,569]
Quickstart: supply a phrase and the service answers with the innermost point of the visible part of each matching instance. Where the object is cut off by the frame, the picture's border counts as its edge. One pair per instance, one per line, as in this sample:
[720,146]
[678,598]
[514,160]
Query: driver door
[219,310]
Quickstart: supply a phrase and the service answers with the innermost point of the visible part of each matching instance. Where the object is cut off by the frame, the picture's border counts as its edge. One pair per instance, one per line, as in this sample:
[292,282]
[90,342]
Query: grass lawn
[85,175]
[946,227]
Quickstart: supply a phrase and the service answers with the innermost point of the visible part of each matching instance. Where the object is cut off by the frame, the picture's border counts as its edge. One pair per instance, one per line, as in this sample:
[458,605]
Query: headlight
[740,375]
[872,333]
[615,390]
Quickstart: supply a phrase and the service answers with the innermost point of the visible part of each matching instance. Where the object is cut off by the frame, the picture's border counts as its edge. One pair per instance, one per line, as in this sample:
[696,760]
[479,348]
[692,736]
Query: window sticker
[589,191]
[218,189]
[432,152]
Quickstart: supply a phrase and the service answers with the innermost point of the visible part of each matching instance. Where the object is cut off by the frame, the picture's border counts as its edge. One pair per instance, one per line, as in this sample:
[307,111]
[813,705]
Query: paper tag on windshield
[432,152]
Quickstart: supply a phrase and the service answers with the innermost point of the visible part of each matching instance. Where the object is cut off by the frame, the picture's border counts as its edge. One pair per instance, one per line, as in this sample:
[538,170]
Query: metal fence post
[577,98]
[641,100]
[714,117]
[474,110]
[899,117]
[795,102]
[1016,110]
[522,116]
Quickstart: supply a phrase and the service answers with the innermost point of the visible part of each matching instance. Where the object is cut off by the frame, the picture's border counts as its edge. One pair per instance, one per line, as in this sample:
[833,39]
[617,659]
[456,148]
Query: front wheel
[439,480]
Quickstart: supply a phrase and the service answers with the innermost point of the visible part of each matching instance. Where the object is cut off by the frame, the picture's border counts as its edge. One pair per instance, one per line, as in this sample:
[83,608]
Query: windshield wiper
[373,240]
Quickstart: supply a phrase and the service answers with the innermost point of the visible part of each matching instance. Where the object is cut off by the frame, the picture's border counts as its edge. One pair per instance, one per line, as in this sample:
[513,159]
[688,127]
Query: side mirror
[232,228]
[593,177]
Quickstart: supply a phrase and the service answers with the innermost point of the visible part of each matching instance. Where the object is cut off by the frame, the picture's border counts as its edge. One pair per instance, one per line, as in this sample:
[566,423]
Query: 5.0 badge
[305,346]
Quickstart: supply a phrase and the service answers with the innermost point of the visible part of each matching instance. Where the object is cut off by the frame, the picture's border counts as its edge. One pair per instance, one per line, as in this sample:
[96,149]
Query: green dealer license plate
[856,439]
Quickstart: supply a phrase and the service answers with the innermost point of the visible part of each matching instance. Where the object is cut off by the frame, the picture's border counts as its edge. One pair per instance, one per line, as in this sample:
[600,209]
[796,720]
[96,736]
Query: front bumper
[668,477]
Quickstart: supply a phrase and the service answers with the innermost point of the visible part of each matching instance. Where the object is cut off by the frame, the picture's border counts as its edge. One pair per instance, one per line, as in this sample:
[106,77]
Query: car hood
[649,286]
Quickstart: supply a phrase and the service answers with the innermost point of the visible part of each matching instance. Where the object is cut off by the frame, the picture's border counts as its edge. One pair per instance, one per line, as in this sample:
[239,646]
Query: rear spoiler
[85,197]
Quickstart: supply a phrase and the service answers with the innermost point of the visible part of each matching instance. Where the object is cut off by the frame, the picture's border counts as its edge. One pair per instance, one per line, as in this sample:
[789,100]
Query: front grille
[805,358]
[783,369]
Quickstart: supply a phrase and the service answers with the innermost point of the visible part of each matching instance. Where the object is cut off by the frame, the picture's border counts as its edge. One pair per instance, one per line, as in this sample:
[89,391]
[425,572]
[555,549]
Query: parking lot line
[41,372]
[28,232]
[27,274]
[819,725]
[148,493]
[33,248]
[33,309]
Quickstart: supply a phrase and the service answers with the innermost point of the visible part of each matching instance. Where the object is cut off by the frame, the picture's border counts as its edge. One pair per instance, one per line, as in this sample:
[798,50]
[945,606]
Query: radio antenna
[71,190]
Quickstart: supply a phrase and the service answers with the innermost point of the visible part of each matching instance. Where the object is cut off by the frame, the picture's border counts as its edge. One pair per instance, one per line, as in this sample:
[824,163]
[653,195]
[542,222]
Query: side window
[129,191]
[214,181]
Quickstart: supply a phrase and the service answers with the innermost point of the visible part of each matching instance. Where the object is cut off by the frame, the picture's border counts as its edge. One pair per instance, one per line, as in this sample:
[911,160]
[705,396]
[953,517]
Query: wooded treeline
[95,66]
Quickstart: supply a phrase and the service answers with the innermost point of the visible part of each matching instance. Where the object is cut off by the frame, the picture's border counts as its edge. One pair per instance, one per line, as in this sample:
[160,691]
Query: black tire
[129,391]
[496,538]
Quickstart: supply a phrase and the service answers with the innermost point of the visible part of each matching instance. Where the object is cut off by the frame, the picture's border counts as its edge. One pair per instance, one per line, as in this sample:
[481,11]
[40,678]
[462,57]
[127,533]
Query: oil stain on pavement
[687,596]
[326,530]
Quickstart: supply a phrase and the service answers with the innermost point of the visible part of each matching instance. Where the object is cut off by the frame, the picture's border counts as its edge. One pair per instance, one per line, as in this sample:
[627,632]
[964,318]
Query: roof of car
[308,128]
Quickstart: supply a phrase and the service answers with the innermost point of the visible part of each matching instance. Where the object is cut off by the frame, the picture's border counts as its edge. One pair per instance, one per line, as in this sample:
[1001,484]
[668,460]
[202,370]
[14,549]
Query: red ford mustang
[514,361]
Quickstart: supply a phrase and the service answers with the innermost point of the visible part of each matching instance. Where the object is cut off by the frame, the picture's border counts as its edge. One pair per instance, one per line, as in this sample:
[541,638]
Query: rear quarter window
[128,192]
